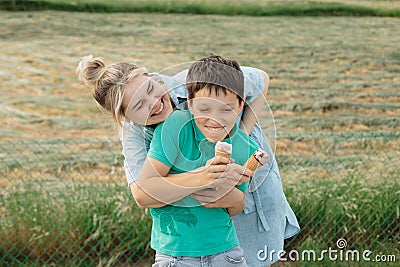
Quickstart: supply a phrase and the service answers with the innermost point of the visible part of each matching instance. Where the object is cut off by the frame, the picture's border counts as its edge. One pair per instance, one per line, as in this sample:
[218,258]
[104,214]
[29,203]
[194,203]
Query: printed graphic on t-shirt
[170,215]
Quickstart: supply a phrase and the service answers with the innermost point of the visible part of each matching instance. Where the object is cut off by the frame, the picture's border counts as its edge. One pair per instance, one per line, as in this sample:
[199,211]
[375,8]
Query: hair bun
[90,69]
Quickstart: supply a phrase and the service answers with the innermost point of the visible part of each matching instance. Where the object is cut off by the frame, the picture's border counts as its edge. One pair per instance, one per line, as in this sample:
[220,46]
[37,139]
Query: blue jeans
[233,257]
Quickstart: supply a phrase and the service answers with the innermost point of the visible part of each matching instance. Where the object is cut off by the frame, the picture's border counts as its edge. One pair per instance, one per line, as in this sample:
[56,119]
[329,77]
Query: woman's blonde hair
[108,83]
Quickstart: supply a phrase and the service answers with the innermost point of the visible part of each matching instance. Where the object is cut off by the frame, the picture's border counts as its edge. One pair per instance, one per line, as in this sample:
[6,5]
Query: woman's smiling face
[146,101]
[215,115]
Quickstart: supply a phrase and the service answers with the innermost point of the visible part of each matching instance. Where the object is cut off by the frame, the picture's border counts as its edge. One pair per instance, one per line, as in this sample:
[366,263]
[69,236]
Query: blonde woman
[138,101]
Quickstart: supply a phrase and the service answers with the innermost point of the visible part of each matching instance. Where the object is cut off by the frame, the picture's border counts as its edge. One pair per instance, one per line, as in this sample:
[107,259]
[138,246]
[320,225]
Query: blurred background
[334,94]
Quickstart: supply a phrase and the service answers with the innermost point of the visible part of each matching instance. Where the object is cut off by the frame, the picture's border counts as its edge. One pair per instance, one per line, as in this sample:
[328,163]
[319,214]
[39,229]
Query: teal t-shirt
[186,228]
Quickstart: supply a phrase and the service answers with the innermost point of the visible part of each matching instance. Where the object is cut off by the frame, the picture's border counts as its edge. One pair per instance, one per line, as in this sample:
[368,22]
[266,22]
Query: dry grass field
[328,74]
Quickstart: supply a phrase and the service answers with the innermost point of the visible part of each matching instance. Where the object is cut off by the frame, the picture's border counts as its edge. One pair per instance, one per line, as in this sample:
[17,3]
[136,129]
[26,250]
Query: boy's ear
[241,104]
[190,105]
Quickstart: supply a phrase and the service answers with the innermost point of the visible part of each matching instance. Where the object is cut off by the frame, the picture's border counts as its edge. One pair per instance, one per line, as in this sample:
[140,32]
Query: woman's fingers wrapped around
[208,196]
[221,170]
[219,160]
[237,174]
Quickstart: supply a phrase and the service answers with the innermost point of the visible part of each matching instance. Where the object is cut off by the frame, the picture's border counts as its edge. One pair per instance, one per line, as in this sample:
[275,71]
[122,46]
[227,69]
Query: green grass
[72,223]
[85,224]
[244,7]
[365,216]
[347,208]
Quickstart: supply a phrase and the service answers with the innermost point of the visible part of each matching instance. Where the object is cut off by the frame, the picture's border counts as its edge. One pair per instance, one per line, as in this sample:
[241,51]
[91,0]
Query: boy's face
[215,115]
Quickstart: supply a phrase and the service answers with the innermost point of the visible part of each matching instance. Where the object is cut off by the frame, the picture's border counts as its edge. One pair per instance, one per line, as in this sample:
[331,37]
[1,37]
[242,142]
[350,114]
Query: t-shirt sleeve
[253,83]
[165,144]
[135,141]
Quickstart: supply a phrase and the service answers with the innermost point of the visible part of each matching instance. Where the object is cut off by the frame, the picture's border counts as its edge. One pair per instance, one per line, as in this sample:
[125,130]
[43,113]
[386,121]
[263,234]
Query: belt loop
[175,262]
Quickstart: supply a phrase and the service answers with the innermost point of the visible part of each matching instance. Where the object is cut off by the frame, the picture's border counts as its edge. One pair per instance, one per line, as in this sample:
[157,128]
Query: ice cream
[223,149]
[259,158]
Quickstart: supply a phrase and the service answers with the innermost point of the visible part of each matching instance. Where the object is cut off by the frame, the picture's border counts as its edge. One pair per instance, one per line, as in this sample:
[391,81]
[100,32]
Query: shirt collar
[176,88]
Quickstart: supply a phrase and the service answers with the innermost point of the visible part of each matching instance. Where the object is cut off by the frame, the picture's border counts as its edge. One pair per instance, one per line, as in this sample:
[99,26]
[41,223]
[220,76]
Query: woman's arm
[155,189]
[239,204]
[253,110]
[234,200]
[134,141]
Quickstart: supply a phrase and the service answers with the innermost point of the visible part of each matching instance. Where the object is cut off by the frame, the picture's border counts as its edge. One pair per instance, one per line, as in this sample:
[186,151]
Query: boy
[186,232]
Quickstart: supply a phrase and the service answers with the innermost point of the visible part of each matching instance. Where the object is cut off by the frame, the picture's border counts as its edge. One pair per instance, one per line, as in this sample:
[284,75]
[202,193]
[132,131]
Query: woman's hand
[220,171]
[223,197]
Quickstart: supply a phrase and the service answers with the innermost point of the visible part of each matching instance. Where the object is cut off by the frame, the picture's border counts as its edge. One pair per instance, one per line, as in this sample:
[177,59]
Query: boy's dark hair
[217,74]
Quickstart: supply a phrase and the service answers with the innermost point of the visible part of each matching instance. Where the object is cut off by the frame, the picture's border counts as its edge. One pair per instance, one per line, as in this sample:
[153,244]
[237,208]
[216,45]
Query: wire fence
[66,202]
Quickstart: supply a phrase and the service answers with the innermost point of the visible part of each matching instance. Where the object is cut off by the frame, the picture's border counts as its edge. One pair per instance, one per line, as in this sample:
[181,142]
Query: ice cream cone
[252,163]
[223,149]
[257,159]
[221,154]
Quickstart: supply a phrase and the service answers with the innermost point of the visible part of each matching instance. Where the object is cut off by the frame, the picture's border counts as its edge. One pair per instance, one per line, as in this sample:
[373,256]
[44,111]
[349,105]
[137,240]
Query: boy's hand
[214,169]
[220,170]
